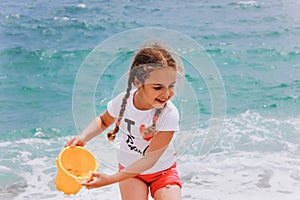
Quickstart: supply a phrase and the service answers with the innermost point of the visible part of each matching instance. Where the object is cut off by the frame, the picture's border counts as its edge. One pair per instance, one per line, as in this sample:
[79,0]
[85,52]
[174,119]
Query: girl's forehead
[163,76]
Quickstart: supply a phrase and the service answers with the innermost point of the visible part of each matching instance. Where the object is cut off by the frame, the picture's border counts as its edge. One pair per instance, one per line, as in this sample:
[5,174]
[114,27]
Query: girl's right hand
[75,141]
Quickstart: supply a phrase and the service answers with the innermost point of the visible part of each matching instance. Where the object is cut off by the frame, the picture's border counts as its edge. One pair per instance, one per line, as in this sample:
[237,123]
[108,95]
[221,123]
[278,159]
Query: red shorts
[161,179]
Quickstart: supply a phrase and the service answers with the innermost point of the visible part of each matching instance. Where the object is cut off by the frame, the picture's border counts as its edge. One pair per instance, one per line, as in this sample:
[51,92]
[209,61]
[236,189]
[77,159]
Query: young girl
[147,119]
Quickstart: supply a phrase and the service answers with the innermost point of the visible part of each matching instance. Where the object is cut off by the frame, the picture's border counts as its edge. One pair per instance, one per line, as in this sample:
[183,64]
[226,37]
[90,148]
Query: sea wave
[250,131]
[247,4]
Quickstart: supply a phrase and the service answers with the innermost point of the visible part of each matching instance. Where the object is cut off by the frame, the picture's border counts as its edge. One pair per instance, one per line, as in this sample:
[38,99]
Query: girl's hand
[97,180]
[75,141]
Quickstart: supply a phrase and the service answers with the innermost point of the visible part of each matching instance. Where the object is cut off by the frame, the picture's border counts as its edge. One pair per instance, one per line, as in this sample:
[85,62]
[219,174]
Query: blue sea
[254,45]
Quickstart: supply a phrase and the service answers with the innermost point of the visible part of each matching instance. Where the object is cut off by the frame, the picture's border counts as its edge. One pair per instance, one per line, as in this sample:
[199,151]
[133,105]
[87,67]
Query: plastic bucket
[74,164]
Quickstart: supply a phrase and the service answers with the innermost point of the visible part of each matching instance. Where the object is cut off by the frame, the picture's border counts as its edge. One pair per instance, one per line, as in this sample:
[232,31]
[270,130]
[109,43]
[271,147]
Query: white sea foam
[218,176]
[255,156]
[248,3]
[241,176]
[81,5]
[252,132]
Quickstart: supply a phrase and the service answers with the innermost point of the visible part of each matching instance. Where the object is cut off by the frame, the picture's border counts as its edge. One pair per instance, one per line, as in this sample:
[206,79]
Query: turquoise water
[254,44]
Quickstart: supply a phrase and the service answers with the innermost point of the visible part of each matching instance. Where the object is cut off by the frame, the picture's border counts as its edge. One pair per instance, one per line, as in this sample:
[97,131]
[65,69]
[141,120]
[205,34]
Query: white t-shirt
[133,146]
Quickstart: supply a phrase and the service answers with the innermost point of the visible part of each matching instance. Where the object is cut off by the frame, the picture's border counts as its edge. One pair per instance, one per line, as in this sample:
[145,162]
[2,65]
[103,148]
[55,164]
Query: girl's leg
[169,192]
[133,189]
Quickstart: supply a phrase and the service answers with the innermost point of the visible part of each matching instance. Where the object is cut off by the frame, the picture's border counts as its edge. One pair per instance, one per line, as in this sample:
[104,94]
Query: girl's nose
[166,92]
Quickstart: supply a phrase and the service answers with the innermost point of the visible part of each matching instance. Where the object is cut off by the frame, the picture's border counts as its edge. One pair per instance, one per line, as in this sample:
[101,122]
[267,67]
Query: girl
[147,120]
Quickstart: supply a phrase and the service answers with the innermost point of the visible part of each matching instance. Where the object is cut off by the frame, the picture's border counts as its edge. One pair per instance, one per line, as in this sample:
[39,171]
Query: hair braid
[111,135]
[149,132]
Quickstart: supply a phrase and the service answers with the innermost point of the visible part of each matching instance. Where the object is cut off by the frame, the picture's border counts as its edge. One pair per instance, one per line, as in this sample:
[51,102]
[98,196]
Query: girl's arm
[96,126]
[156,148]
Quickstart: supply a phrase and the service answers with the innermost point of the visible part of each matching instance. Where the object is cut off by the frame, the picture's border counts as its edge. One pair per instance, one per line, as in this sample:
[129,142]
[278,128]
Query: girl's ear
[137,83]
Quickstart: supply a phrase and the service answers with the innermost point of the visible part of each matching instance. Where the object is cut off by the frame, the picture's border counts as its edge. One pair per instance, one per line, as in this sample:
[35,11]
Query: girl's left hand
[97,180]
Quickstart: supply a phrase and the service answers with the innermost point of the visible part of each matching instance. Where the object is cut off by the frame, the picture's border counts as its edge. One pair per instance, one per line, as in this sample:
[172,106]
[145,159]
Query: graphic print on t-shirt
[131,139]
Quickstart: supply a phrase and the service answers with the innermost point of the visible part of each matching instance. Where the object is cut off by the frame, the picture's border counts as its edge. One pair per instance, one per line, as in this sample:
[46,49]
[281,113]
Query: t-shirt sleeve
[114,105]
[169,120]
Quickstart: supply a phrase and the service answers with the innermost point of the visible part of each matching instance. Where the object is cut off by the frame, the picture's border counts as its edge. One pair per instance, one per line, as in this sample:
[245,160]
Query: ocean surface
[255,45]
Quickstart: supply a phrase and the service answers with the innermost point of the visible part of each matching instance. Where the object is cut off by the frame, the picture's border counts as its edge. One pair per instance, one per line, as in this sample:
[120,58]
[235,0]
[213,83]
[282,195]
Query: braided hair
[146,61]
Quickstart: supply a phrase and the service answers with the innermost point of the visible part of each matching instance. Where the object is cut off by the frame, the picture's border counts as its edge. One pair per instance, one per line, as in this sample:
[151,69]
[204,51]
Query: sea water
[254,44]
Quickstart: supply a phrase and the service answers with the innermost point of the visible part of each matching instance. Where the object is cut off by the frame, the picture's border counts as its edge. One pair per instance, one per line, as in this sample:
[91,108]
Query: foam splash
[252,132]
[241,176]
[243,164]
[246,4]
[81,5]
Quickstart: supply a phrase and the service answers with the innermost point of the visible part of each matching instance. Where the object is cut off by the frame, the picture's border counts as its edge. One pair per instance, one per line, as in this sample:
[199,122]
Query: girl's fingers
[75,141]
[95,174]
[69,142]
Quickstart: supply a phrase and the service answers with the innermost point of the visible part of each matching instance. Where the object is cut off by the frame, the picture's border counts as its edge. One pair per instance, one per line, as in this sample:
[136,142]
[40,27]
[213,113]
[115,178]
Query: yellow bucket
[74,164]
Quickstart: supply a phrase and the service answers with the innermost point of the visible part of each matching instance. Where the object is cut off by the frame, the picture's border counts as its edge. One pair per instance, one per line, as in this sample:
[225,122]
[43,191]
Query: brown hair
[146,61]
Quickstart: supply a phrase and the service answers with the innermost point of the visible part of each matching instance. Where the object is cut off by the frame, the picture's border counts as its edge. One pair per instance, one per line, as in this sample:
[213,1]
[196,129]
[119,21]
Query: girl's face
[157,89]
